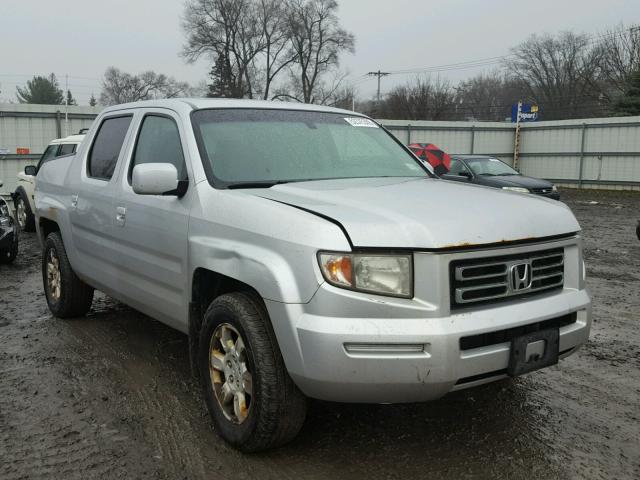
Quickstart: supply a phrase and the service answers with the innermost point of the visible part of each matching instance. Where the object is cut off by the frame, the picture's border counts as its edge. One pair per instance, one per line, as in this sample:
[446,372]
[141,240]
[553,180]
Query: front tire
[67,295]
[9,255]
[24,215]
[252,401]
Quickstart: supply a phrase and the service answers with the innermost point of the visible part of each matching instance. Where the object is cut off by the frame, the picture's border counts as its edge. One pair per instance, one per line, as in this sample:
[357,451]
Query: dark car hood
[514,181]
[429,213]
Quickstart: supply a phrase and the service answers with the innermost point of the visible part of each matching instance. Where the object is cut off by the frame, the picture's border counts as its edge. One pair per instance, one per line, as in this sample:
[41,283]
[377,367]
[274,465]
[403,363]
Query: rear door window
[67,149]
[106,147]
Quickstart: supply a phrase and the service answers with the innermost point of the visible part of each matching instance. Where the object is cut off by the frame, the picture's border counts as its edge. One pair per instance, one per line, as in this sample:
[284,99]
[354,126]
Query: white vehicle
[23,196]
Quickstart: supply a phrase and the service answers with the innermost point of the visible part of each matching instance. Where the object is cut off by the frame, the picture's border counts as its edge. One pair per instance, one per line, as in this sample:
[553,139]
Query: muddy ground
[111,396]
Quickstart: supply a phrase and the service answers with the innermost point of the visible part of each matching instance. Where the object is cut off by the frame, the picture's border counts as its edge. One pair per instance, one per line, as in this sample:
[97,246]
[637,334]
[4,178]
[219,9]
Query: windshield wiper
[265,184]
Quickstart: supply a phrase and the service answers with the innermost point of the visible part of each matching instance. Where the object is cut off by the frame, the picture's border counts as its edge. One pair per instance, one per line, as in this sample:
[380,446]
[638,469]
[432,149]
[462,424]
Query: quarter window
[159,142]
[106,147]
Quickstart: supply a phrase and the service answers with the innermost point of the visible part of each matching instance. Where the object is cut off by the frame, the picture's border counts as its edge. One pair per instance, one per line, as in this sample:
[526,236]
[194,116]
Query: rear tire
[274,410]
[9,255]
[24,215]
[67,295]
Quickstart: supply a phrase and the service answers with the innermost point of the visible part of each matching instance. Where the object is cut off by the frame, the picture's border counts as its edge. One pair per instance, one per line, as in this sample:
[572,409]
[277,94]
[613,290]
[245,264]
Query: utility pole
[516,146]
[66,105]
[378,74]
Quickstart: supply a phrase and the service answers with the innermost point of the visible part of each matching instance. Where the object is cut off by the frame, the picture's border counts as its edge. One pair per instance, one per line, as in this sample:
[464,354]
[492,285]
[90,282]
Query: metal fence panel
[601,152]
[596,152]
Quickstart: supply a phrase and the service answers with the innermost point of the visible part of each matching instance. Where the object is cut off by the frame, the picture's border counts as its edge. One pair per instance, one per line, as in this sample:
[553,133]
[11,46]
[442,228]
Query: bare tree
[227,30]
[121,87]
[278,53]
[560,73]
[317,40]
[620,58]
[422,99]
[487,96]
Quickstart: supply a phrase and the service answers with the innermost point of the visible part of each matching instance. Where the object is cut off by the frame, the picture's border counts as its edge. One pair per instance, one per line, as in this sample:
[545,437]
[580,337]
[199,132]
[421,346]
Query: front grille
[494,279]
[508,334]
[542,191]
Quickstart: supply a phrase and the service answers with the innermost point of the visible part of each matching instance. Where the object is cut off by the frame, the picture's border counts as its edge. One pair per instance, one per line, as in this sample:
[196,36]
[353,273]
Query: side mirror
[30,170]
[464,173]
[156,179]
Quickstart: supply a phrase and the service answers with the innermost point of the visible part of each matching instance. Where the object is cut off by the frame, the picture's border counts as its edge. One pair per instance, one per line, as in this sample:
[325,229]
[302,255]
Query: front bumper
[328,372]
[317,339]
[552,195]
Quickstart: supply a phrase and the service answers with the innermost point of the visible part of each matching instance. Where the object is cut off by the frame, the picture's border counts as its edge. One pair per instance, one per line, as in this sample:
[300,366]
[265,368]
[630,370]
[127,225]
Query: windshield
[244,147]
[490,166]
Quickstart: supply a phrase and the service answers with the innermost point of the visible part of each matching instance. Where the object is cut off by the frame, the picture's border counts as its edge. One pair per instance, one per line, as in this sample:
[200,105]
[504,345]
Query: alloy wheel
[231,378]
[21,213]
[54,278]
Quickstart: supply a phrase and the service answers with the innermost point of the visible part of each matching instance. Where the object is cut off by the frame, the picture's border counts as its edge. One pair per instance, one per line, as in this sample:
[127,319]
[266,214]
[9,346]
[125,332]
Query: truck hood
[425,213]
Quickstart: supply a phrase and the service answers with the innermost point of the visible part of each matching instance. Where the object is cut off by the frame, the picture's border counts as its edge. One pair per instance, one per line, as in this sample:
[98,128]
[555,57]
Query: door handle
[74,201]
[121,216]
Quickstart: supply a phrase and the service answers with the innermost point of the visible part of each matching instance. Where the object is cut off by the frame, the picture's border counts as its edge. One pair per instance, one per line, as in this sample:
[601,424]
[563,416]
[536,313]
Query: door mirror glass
[155,179]
[30,170]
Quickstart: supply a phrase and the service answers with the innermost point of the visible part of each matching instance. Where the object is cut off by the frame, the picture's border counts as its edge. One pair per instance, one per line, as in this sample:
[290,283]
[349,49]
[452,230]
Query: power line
[483,62]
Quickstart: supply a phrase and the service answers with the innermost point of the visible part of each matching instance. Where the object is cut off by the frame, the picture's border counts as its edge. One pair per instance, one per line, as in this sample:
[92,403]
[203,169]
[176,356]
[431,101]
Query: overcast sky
[82,38]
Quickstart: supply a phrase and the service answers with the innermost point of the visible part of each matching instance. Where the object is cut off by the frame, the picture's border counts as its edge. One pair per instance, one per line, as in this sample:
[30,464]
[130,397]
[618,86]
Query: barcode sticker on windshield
[360,122]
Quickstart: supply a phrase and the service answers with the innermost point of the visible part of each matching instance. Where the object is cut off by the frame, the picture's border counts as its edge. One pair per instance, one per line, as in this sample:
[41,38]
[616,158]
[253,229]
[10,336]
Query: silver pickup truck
[307,253]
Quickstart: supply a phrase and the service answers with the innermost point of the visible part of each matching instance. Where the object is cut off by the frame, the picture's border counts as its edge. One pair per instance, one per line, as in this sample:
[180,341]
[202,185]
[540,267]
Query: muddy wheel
[67,295]
[252,401]
[24,215]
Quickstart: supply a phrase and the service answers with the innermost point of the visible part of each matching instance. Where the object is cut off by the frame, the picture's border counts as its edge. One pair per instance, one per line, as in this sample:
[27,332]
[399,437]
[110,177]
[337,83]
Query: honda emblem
[520,277]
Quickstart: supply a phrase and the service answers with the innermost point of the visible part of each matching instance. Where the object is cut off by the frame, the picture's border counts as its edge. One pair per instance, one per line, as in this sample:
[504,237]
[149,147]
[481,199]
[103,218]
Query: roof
[202,103]
[69,139]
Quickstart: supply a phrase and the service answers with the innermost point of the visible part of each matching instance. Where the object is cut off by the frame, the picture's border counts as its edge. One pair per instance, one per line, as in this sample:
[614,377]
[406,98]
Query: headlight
[516,189]
[382,274]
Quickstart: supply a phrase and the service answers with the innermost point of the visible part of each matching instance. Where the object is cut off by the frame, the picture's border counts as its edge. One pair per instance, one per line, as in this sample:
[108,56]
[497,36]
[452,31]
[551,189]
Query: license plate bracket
[533,351]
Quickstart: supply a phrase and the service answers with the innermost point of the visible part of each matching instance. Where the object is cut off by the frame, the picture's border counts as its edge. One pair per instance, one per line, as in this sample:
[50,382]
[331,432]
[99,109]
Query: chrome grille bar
[493,279]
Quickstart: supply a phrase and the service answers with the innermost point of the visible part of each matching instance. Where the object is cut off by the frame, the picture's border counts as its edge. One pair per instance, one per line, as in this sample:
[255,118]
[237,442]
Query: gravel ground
[111,396]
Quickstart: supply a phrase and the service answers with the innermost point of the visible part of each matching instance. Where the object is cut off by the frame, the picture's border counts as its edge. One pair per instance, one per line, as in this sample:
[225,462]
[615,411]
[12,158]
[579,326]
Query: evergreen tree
[629,103]
[70,99]
[41,90]
[92,101]
[223,79]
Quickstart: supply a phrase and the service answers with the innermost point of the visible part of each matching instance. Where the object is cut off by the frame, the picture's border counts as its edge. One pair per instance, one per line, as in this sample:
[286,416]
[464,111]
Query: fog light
[385,348]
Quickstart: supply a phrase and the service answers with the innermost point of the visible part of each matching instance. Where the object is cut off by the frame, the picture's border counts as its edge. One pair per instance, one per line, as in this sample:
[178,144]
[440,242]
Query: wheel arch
[45,228]
[206,286]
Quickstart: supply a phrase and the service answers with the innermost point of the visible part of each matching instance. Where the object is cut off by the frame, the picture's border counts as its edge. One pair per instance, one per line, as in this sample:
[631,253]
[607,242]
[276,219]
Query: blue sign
[528,113]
